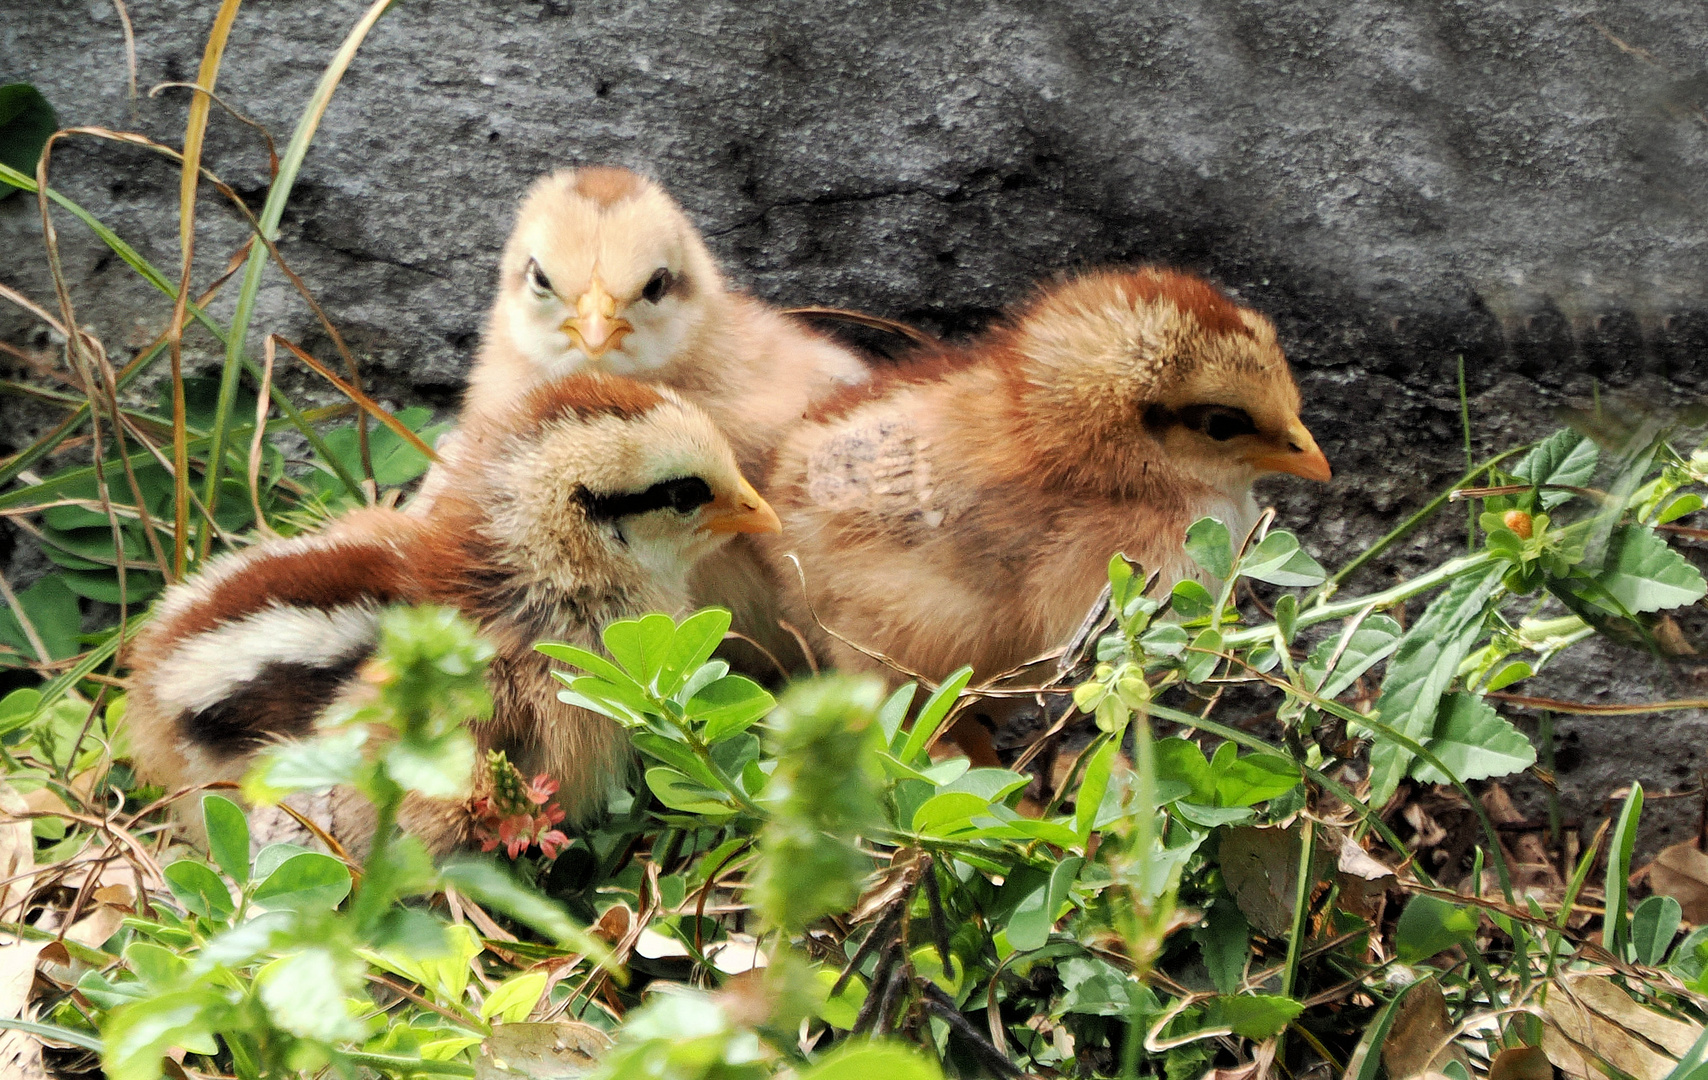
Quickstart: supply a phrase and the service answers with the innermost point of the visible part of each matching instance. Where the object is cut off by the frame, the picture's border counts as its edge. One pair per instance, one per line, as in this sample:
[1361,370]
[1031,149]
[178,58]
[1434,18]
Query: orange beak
[596,330]
[742,512]
[1301,458]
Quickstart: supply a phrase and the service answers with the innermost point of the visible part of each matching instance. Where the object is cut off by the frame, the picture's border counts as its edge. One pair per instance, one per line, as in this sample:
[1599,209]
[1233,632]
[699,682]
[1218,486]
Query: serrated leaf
[1643,573]
[1565,457]
[1208,545]
[1474,742]
[1280,560]
[1423,665]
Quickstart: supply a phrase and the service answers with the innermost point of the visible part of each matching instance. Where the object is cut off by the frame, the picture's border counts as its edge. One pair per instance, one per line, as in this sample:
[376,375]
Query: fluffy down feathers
[962,508]
[588,503]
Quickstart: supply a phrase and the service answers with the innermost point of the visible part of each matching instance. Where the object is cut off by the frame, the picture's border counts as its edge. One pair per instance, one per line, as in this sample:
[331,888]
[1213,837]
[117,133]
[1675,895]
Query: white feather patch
[209,666]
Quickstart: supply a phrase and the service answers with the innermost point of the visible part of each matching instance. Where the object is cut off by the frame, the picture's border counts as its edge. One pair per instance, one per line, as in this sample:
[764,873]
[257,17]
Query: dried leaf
[1681,872]
[1418,1042]
[20,1053]
[741,953]
[1521,1063]
[656,946]
[557,1051]
[17,854]
[1357,862]
[1589,1017]
[1261,868]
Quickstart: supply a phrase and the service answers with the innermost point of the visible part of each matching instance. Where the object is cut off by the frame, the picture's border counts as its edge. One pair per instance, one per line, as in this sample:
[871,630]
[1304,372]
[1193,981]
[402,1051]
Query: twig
[943,1006]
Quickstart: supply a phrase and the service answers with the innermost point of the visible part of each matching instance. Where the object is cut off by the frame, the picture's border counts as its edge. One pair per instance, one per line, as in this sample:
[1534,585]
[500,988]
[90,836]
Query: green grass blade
[290,163]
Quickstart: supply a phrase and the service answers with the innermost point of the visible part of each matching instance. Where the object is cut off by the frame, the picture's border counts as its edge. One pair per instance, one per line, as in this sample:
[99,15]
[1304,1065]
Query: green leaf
[990,784]
[932,713]
[640,645]
[324,762]
[138,1035]
[1616,929]
[1688,503]
[1423,665]
[680,793]
[304,882]
[228,836]
[1224,940]
[440,768]
[1280,560]
[1030,925]
[1474,742]
[1254,778]
[1287,616]
[1191,600]
[158,967]
[678,756]
[894,712]
[1164,639]
[1644,574]
[623,702]
[1208,545]
[1253,1016]
[26,122]
[1181,760]
[1373,641]
[103,585]
[304,995]
[939,812]
[1429,925]
[859,1060]
[1653,926]
[588,661]
[1516,671]
[1092,788]
[52,610]
[1565,457]
[1201,659]
[199,889]
[729,706]
[697,637]
[18,708]
[513,999]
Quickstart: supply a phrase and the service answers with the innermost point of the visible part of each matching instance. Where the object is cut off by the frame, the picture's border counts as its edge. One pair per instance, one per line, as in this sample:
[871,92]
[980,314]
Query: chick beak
[596,330]
[744,511]
[1301,457]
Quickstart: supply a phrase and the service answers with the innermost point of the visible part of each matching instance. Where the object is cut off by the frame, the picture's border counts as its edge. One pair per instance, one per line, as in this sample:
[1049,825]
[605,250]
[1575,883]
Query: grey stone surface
[1397,184]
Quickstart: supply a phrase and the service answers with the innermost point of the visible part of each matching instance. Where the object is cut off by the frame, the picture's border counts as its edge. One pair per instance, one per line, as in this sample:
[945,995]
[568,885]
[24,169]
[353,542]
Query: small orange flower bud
[1519,522]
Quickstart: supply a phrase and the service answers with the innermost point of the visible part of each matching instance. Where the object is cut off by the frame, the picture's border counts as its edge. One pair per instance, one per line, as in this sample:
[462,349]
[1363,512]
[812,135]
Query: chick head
[598,481]
[1155,365]
[603,272]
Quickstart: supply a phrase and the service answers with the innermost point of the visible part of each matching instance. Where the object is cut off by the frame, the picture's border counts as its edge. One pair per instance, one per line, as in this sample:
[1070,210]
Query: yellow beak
[596,330]
[1301,458]
[743,512]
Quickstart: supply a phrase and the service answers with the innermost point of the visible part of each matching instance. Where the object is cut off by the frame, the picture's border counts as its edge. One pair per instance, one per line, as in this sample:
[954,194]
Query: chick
[587,502]
[963,508]
[604,271]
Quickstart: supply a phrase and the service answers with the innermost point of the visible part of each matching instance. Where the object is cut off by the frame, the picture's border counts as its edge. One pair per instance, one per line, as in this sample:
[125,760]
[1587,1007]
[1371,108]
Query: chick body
[587,503]
[963,507]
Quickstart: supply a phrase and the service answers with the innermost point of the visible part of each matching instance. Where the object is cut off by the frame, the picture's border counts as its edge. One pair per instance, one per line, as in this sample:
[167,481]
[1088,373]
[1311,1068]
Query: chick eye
[657,285]
[537,279]
[687,494]
[1219,422]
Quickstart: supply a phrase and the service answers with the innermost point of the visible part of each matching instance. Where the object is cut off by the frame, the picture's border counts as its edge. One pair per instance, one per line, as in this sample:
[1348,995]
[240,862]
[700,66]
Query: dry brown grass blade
[367,403]
[1584,708]
[194,130]
[873,322]
[262,400]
